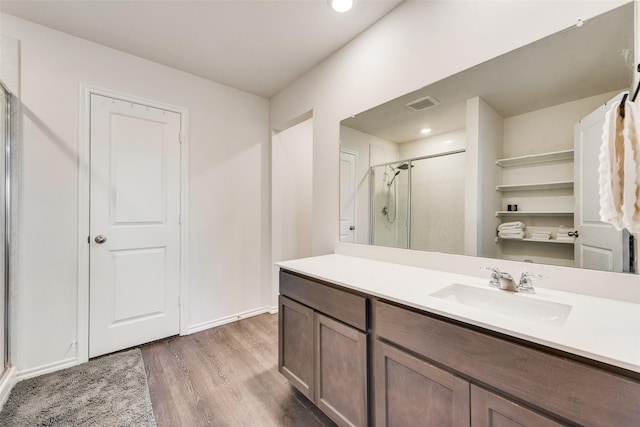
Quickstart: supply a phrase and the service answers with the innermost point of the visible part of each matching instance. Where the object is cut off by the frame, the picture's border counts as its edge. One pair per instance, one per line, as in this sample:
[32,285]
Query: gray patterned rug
[110,391]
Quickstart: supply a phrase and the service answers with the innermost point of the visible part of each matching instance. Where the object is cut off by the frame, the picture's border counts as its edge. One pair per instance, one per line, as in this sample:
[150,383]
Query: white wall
[416,44]
[523,134]
[229,163]
[291,183]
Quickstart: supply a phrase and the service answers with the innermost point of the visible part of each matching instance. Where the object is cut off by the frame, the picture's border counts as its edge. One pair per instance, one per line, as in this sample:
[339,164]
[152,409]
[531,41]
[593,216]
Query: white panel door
[598,245]
[135,208]
[347,196]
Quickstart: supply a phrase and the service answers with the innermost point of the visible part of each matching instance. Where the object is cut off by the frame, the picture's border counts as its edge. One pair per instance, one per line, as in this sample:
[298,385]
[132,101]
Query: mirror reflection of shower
[392,190]
[418,203]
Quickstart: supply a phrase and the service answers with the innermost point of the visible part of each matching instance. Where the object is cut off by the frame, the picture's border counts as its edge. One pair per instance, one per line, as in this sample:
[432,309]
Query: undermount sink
[506,303]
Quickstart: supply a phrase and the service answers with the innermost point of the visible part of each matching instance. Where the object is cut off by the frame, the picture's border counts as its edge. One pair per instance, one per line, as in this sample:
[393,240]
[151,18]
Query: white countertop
[601,329]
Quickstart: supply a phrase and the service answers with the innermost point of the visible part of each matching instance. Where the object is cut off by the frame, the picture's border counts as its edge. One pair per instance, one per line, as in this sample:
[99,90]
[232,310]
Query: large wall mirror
[500,160]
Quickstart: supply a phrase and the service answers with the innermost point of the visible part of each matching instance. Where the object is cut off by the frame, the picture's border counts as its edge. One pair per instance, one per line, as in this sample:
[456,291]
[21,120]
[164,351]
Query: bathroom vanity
[375,343]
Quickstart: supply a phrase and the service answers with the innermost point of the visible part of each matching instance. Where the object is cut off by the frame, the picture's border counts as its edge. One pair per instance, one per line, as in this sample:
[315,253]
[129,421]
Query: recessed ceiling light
[425,131]
[341,5]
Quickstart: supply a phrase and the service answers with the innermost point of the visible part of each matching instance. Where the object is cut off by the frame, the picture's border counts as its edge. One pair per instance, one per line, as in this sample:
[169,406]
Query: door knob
[574,234]
[100,239]
[353,227]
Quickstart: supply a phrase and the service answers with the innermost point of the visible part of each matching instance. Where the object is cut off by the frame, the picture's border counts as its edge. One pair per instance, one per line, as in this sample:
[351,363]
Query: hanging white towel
[631,189]
[611,169]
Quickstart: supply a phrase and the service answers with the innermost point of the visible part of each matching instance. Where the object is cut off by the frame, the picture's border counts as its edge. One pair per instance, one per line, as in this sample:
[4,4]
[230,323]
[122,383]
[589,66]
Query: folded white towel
[516,225]
[565,239]
[534,237]
[511,235]
[563,229]
[611,169]
[541,233]
[512,231]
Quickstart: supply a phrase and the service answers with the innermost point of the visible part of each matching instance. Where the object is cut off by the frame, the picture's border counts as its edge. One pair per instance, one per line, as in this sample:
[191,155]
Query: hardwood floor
[225,376]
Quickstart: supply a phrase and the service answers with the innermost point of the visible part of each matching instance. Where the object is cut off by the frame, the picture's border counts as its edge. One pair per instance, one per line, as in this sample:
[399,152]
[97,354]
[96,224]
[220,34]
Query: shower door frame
[8,139]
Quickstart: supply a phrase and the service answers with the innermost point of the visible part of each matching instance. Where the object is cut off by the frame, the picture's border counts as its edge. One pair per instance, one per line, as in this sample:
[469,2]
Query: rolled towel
[515,225]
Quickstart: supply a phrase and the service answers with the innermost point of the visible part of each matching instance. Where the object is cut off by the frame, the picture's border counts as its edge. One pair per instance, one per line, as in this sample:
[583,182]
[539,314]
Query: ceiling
[576,63]
[258,46]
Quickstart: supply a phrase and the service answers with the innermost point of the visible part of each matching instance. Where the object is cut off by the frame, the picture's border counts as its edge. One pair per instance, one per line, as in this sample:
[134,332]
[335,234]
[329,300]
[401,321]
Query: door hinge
[180,137]
[180,218]
[89,239]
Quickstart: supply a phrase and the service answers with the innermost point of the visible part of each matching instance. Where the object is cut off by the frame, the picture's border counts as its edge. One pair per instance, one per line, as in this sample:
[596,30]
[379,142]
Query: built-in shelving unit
[542,187]
[559,185]
[536,158]
[533,213]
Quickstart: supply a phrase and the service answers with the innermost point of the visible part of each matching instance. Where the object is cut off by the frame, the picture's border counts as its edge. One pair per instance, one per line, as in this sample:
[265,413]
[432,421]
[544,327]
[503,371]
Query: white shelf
[536,158]
[533,187]
[534,213]
[538,241]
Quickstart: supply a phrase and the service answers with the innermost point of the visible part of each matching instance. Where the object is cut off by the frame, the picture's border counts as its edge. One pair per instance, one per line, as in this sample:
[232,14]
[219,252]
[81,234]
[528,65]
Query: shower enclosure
[419,203]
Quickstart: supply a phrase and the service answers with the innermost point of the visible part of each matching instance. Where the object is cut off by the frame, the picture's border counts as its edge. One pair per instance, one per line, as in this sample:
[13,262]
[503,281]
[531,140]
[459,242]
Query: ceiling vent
[423,103]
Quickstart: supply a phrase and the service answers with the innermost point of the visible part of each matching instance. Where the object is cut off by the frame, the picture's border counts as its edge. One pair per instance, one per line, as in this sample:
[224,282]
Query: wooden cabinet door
[489,409]
[341,371]
[412,392]
[295,346]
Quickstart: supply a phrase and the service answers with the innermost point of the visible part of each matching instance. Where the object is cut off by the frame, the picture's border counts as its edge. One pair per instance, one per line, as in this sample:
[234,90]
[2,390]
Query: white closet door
[598,245]
[134,223]
[347,196]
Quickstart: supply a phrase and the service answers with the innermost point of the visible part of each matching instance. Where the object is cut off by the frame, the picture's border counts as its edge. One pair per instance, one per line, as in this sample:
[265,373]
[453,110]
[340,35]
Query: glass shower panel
[390,185]
[437,203]
[4,140]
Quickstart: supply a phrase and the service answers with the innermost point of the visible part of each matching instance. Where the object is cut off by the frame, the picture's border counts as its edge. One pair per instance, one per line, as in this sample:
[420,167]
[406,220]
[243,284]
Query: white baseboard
[7,382]
[45,369]
[223,321]
[273,310]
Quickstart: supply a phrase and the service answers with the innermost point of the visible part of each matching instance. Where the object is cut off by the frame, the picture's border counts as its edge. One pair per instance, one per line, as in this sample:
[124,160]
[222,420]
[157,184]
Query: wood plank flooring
[225,376]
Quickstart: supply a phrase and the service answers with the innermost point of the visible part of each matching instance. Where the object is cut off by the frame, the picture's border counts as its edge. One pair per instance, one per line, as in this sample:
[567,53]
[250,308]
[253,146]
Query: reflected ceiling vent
[423,103]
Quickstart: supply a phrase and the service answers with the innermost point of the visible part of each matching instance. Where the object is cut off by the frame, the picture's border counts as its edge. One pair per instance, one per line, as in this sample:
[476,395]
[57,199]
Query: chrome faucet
[526,284]
[501,280]
[504,281]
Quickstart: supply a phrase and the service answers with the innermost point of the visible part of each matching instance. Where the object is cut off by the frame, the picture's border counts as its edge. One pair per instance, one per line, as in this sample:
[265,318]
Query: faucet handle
[495,276]
[526,284]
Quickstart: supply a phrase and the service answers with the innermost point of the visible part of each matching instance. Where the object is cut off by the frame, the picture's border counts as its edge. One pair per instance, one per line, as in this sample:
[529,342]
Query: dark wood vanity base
[367,361]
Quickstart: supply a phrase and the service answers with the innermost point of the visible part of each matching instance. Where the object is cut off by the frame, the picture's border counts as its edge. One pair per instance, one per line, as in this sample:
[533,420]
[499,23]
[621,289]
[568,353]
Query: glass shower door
[437,203]
[7,130]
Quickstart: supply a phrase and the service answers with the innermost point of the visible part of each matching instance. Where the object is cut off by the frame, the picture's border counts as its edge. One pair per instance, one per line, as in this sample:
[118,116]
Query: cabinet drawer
[342,305]
[570,389]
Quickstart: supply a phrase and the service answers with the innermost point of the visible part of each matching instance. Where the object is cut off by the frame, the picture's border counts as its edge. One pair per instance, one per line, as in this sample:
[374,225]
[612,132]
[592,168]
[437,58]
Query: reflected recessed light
[341,5]
[425,131]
